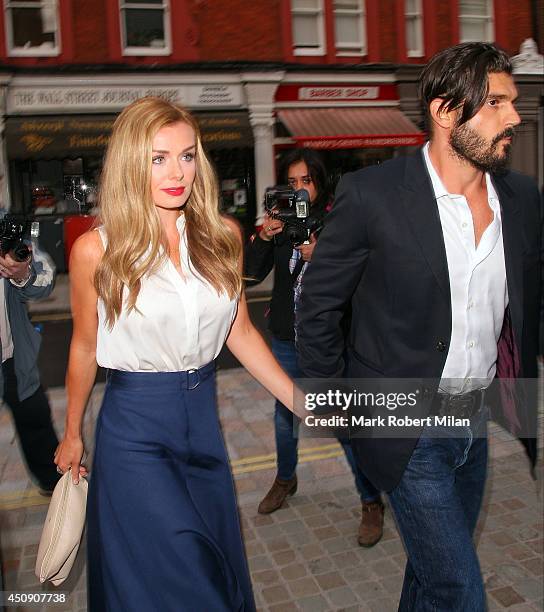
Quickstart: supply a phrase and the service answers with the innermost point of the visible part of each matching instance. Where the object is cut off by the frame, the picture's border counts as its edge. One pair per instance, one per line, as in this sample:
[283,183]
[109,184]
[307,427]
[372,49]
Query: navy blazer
[382,251]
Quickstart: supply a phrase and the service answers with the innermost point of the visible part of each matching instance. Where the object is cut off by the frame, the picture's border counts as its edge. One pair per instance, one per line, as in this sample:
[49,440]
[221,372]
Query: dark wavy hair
[316,169]
[458,76]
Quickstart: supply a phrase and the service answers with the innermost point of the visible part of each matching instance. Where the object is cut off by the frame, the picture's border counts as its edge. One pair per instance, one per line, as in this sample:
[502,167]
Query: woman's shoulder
[234,226]
[87,249]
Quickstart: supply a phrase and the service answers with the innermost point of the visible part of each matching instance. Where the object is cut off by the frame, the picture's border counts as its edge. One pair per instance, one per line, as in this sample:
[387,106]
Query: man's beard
[486,156]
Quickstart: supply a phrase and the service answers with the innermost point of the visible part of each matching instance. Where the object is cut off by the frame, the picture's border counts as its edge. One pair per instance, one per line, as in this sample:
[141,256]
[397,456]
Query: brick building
[261,76]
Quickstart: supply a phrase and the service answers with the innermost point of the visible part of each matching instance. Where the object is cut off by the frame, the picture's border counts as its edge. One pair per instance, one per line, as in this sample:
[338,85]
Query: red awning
[350,128]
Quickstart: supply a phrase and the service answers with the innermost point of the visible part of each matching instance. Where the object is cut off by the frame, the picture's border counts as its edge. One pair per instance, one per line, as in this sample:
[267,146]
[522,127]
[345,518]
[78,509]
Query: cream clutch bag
[62,531]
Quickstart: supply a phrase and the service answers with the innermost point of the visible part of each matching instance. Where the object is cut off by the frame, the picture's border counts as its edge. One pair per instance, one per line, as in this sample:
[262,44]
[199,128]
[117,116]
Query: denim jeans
[286,438]
[436,506]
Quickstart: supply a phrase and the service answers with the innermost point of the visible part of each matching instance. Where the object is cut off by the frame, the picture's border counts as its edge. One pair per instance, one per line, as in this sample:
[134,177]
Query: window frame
[320,13]
[417,17]
[125,5]
[353,51]
[488,19]
[14,51]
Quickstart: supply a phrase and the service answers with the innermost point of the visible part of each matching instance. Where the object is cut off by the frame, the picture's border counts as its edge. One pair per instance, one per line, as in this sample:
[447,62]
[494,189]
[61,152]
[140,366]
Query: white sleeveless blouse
[178,324]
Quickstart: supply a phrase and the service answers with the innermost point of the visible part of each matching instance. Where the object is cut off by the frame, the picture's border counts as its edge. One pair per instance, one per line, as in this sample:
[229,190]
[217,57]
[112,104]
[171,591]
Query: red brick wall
[387,25]
[444,15]
[239,30]
[515,21]
[540,25]
[89,32]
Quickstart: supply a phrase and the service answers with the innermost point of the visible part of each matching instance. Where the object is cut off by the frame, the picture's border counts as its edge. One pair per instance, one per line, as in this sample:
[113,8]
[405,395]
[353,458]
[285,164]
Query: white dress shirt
[479,294]
[179,323]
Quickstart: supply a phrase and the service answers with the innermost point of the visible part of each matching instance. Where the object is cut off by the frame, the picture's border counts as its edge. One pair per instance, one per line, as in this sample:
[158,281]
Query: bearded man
[439,256]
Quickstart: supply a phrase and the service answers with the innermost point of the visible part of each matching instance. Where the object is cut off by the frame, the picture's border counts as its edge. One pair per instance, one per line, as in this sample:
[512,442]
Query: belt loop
[191,386]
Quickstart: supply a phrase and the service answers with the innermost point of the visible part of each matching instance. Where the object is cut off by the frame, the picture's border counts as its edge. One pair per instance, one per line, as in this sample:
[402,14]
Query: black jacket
[382,251]
[260,257]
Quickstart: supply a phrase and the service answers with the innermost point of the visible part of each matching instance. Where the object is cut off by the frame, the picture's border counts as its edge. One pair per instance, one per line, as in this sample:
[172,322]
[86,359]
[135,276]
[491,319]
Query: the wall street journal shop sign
[38,100]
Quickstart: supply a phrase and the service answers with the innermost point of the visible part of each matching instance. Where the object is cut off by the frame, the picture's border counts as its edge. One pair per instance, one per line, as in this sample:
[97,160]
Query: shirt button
[471,344]
[441,346]
[464,224]
[470,305]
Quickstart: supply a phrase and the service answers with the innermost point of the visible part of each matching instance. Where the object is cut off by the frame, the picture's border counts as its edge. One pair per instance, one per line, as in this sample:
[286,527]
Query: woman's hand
[271,227]
[68,456]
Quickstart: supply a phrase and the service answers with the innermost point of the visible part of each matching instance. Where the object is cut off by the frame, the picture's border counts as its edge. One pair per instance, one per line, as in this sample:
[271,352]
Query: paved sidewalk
[305,556]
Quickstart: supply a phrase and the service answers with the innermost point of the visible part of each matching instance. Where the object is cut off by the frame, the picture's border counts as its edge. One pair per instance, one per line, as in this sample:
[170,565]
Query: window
[32,27]
[350,27]
[476,20]
[145,27]
[414,28]
[308,27]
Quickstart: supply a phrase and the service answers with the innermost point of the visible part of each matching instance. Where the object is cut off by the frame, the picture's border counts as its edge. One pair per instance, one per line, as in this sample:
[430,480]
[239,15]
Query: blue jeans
[436,506]
[286,439]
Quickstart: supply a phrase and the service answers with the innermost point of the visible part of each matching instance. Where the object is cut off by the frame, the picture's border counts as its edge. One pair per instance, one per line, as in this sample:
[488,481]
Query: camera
[293,208]
[15,232]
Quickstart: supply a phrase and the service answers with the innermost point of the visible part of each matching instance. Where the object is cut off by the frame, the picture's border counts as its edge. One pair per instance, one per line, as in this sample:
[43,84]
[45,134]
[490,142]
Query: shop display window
[32,27]
[235,171]
[54,187]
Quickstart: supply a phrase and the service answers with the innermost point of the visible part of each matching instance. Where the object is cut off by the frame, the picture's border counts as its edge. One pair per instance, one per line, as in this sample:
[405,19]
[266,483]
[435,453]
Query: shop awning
[70,136]
[350,128]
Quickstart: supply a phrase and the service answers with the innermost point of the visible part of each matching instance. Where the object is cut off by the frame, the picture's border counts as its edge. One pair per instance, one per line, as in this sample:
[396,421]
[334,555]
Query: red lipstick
[174,191]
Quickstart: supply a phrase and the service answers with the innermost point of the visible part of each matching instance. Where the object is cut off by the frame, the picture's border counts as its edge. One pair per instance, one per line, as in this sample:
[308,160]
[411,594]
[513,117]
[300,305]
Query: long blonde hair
[129,217]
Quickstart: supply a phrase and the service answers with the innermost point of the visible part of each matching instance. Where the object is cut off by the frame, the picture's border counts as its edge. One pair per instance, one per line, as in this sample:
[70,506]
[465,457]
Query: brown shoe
[277,494]
[371,527]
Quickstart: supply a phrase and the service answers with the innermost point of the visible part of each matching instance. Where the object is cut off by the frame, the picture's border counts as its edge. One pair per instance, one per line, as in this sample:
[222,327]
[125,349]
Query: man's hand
[18,271]
[306,250]
[271,227]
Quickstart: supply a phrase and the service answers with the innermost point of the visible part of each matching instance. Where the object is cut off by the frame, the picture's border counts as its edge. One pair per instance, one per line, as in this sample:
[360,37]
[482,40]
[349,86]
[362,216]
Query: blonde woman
[156,292]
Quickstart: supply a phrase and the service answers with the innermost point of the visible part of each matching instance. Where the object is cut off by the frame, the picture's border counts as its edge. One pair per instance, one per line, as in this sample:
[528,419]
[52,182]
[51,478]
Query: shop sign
[46,137]
[39,99]
[214,95]
[360,142]
[337,93]
[38,137]
[225,130]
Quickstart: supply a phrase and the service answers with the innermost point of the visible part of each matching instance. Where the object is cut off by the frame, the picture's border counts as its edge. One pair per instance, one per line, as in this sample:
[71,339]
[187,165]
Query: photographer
[272,248]
[20,387]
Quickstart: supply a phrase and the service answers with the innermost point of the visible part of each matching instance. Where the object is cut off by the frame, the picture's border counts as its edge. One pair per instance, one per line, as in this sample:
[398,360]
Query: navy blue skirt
[163,531]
